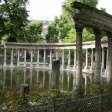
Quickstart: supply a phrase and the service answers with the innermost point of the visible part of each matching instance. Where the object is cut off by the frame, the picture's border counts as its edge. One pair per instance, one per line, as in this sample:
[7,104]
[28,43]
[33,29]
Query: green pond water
[13,78]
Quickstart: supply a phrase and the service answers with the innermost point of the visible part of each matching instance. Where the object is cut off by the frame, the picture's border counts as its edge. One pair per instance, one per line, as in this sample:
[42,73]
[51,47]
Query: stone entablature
[89,44]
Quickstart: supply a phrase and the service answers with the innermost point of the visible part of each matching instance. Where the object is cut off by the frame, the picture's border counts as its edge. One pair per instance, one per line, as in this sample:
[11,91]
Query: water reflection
[13,78]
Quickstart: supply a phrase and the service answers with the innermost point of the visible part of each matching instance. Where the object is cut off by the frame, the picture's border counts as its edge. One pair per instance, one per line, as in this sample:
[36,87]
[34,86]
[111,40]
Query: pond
[13,78]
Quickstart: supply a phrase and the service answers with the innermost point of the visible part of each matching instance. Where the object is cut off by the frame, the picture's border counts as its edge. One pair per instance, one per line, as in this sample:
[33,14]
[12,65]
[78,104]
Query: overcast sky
[48,9]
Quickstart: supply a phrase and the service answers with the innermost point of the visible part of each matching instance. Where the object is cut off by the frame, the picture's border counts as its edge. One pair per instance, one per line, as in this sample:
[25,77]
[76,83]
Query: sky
[48,9]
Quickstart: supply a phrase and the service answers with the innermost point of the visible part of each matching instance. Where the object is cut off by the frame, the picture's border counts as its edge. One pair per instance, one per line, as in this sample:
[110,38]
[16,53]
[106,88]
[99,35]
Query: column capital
[97,32]
[109,35]
[79,26]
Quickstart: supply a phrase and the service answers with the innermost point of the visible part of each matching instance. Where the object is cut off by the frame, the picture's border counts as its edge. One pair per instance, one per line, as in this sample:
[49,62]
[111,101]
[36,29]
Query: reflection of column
[31,76]
[85,77]
[74,67]
[68,79]
[4,57]
[91,59]
[50,73]
[31,58]
[18,53]
[4,73]
[24,57]
[74,80]
[86,58]
[68,66]
[62,78]
[50,63]
[24,75]
[43,78]
[11,72]
[55,78]
[62,65]
[37,76]
[11,63]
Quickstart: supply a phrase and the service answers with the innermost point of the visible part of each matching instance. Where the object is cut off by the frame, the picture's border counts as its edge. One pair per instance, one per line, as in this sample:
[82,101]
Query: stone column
[91,68]
[44,55]
[109,67]
[50,63]
[62,65]
[79,30]
[25,57]
[74,67]
[11,63]
[37,57]
[102,58]
[57,57]
[86,58]
[4,64]
[97,33]
[68,66]
[18,56]
[106,63]
[24,75]
[31,58]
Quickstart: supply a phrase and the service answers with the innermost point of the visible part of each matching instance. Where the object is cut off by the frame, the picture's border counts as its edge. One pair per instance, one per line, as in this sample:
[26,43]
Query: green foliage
[34,30]
[13,19]
[92,3]
[52,35]
[67,12]
[63,28]
[88,35]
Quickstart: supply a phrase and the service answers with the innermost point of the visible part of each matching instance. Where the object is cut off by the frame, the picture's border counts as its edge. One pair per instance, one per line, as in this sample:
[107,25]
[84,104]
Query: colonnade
[39,61]
[55,53]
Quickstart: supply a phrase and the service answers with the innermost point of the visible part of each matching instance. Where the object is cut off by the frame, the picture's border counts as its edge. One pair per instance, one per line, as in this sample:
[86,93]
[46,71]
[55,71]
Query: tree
[34,30]
[13,19]
[67,12]
[52,35]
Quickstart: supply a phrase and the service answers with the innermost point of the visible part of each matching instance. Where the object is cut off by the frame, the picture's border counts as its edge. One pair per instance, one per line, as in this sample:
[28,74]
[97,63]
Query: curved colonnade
[50,52]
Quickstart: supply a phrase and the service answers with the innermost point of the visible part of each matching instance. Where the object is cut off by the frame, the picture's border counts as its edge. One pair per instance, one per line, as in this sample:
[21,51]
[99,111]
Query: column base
[11,65]
[68,67]
[74,67]
[50,66]
[62,67]
[85,67]
[4,65]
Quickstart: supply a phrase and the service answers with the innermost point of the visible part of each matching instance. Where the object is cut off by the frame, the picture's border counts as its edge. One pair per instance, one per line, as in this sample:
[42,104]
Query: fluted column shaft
[97,33]
[109,61]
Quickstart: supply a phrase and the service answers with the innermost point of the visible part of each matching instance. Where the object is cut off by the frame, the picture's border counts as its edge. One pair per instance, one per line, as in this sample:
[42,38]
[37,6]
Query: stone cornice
[92,17]
[89,44]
